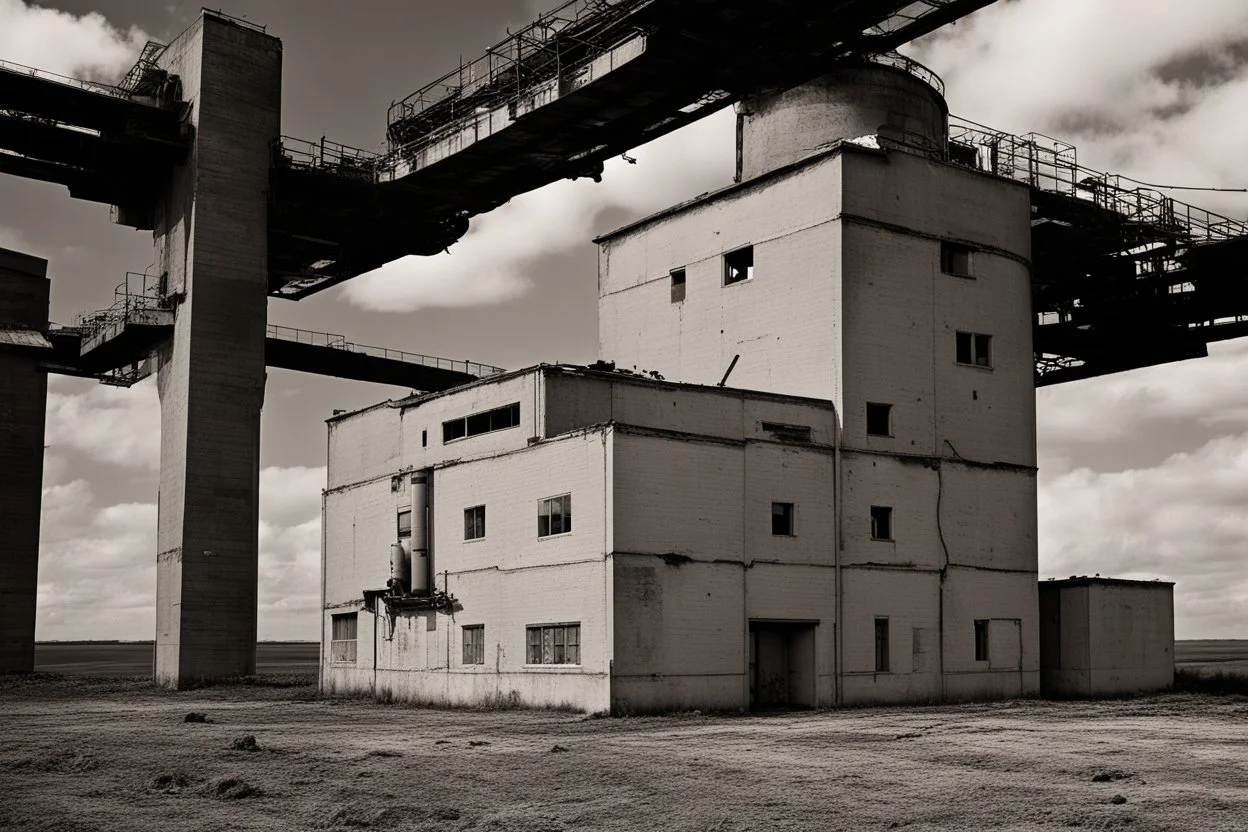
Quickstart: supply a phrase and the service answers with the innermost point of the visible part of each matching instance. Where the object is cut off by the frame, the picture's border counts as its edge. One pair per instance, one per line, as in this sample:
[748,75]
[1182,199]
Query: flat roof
[591,371]
[1084,580]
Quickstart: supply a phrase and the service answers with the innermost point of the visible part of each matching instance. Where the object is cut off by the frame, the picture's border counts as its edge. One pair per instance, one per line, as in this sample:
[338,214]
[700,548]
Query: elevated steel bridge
[1124,276]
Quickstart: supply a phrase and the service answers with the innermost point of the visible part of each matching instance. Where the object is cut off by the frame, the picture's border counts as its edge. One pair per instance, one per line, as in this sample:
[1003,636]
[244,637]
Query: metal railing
[339,342]
[909,65]
[90,86]
[137,293]
[328,156]
[1048,164]
[562,40]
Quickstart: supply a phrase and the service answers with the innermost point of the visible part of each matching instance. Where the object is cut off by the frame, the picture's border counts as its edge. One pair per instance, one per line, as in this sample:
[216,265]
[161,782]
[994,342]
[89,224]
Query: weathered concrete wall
[211,240]
[23,404]
[1104,638]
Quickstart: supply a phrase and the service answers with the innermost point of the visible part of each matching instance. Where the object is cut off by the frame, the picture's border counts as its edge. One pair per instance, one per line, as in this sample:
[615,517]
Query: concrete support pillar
[211,230]
[23,405]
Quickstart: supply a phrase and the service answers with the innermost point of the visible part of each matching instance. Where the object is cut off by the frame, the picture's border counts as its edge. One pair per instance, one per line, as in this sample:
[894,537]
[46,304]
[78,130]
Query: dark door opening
[782,664]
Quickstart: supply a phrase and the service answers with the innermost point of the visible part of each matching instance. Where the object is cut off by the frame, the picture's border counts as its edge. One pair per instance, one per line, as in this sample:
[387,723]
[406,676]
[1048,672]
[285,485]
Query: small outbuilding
[1104,637]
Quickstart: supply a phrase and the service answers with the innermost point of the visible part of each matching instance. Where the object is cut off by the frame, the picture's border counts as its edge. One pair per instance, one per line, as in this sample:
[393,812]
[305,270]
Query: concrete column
[23,405]
[211,231]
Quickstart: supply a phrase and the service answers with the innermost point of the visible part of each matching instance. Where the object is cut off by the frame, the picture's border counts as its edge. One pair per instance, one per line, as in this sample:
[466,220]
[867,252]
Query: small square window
[405,523]
[678,285]
[554,516]
[981,639]
[973,348]
[955,259]
[474,644]
[879,419]
[739,265]
[881,523]
[474,523]
[881,645]
[782,519]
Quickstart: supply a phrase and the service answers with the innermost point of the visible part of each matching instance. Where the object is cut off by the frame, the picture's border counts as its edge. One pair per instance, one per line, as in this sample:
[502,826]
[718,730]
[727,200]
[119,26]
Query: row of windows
[500,418]
[882,663]
[738,266]
[561,643]
[783,521]
[554,516]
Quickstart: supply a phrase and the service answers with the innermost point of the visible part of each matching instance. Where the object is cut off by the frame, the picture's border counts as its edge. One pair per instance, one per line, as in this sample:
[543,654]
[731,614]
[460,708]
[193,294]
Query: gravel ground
[114,754]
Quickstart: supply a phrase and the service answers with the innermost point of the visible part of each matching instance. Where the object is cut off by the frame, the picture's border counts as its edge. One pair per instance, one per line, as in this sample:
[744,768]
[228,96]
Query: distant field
[107,658]
[1212,656]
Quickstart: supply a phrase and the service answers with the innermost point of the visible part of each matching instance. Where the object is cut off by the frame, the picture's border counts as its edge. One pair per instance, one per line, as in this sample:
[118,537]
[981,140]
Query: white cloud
[119,426]
[1182,520]
[496,261]
[85,46]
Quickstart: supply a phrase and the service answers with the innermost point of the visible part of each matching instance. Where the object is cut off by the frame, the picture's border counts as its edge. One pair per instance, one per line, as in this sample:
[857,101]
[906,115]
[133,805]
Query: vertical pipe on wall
[420,533]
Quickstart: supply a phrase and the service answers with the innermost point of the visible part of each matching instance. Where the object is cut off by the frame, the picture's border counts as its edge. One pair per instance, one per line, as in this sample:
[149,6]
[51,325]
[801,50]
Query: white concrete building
[874,541]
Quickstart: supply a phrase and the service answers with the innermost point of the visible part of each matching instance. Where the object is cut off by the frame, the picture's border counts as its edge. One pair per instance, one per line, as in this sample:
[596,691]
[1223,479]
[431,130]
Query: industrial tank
[888,96]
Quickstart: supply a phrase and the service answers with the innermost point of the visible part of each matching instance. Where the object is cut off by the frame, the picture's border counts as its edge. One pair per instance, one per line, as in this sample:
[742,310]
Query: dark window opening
[678,285]
[739,265]
[343,637]
[879,419]
[554,516]
[474,523]
[424,439]
[554,644]
[955,259]
[981,640]
[479,423]
[881,645]
[782,519]
[974,348]
[474,644]
[405,523]
[881,523]
[795,433]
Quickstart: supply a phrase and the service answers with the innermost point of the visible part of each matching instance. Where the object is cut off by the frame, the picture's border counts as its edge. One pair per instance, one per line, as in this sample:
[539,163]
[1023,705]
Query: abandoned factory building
[853,521]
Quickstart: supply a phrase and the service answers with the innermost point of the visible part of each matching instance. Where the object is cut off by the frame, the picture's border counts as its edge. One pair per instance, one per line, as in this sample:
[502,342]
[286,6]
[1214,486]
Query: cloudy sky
[1142,475]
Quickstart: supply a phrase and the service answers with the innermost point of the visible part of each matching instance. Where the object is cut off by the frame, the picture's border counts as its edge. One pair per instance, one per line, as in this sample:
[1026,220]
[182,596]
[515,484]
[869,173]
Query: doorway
[782,664]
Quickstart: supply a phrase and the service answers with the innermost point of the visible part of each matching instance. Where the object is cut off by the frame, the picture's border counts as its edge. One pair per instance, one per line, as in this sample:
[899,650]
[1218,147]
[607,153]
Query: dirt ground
[82,753]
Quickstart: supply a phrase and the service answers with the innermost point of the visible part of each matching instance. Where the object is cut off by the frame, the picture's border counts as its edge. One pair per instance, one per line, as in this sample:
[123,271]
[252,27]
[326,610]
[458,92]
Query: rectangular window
[405,523]
[981,639]
[474,523]
[955,259]
[879,419]
[678,285]
[973,348]
[739,265]
[782,519]
[881,645]
[478,423]
[474,644]
[342,637]
[554,644]
[787,433]
[424,439]
[881,523]
[554,516]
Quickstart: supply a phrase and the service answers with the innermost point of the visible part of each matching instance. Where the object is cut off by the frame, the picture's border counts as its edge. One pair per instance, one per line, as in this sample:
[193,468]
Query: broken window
[881,645]
[405,523]
[474,644]
[879,419]
[678,285]
[474,523]
[973,348]
[554,644]
[782,519]
[342,637]
[794,433]
[881,523]
[981,639]
[478,423]
[554,516]
[955,259]
[739,265]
